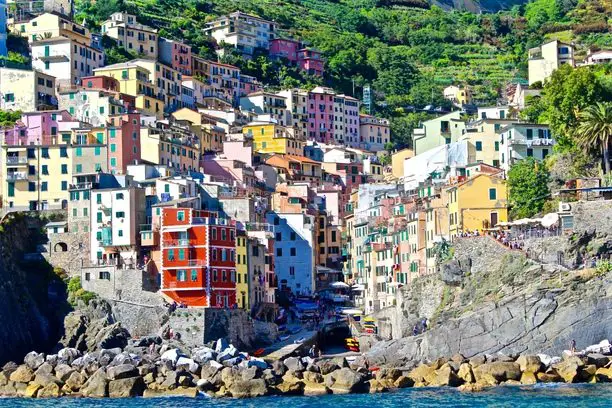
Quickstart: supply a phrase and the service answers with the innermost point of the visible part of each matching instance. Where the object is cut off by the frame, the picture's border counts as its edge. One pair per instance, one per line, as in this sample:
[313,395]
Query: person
[424,323]
[415,330]
[151,348]
[573,346]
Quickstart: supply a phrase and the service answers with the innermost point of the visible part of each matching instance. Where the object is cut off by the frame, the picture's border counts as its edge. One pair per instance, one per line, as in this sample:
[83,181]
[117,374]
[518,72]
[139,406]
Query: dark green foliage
[8,118]
[528,187]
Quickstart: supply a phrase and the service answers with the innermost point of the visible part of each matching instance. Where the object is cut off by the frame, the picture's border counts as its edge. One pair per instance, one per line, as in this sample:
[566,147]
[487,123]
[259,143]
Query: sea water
[538,396]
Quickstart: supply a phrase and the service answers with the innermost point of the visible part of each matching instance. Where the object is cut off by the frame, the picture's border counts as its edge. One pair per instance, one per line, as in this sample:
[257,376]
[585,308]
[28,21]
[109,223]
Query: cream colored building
[458,95]
[50,25]
[548,57]
[374,132]
[132,35]
[26,90]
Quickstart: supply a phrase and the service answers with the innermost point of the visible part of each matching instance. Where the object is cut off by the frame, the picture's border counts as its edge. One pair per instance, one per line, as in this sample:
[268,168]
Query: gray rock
[279,368]
[121,371]
[294,364]
[250,388]
[51,359]
[349,381]
[126,387]
[250,373]
[67,355]
[122,358]
[327,367]
[97,385]
[45,368]
[34,359]
[598,359]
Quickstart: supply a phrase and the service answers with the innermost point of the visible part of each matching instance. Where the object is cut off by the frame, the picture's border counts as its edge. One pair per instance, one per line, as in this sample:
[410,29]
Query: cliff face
[495,300]
[32,298]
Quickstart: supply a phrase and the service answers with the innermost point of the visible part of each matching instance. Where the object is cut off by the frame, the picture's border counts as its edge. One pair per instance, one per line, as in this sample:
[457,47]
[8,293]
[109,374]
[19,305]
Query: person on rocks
[415,330]
[573,346]
[424,324]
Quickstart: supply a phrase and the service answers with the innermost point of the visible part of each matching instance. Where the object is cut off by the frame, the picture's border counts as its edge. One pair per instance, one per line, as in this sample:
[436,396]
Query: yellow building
[458,95]
[168,149]
[478,203]
[436,228]
[38,177]
[211,136]
[49,25]
[272,138]
[134,80]
[168,82]
[242,271]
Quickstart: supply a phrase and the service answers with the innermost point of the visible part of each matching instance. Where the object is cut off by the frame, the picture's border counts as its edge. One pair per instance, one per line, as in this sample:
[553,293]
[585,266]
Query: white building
[521,140]
[265,104]
[296,113]
[65,59]
[494,112]
[346,121]
[598,57]
[26,90]
[115,219]
[245,32]
[294,251]
[131,35]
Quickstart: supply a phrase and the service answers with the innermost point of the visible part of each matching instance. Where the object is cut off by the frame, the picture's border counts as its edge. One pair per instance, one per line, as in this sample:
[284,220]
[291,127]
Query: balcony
[16,160]
[148,237]
[81,186]
[177,243]
[16,176]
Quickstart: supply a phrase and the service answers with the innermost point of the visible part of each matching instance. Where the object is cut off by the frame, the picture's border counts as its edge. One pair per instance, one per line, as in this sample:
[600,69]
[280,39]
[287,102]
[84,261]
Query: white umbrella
[339,285]
[550,219]
[358,288]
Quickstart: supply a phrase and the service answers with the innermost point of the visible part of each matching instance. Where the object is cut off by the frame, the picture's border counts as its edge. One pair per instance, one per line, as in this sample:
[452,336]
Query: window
[104,275]
[293,236]
[120,233]
[79,168]
[64,185]
[99,198]
[31,186]
[529,152]
[529,134]
[292,270]
[31,170]
[45,152]
[544,153]
[63,152]
[113,162]
[180,215]
[171,254]
[64,169]
[99,217]
[497,146]
[194,275]
[43,186]
[97,150]
[292,252]
[9,97]
[479,146]
[279,252]
[181,254]
[120,214]
[181,275]
[113,148]
[492,194]
[119,196]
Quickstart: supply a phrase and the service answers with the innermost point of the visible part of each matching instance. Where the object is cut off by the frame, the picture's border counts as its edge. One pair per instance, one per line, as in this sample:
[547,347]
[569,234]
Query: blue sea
[545,396]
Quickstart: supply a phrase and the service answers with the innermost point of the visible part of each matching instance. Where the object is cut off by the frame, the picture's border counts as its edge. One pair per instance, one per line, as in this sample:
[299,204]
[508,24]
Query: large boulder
[51,390]
[203,355]
[23,374]
[126,387]
[421,372]
[569,369]
[121,371]
[187,364]
[112,336]
[97,385]
[294,364]
[250,388]
[528,363]
[465,373]
[327,367]
[444,376]
[67,355]
[45,368]
[497,372]
[528,378]
[63,372]
[348,381]
[34,360]
[279,368]
[598,359]
[604,374]
[32,390]
[74,382]
[171,355]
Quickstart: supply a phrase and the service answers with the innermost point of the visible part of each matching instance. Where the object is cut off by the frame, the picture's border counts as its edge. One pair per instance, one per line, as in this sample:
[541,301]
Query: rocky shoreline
[149,367]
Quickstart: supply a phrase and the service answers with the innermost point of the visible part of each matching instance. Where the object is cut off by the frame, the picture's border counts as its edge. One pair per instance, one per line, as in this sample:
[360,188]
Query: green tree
[594,130]
[528,187]
[8,118]
[402,127]
[567,92]
[396,71]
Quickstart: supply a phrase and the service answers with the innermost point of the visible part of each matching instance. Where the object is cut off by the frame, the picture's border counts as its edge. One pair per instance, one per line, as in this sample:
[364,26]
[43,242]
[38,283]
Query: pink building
[176,54]
[285,48]
[40,128]
[123,142]
[321,114]
[249,84]
[310,60]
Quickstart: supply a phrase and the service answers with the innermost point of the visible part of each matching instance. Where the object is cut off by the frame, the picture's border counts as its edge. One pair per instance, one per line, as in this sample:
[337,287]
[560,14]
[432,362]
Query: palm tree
[594,130]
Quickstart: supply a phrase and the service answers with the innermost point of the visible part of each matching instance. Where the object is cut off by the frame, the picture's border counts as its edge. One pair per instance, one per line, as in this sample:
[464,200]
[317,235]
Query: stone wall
[201,326]
[68,251]
[592,216]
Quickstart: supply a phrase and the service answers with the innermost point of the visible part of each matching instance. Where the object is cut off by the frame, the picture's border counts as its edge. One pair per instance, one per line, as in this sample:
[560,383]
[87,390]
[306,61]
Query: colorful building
[272,138]
[484,135]
[176,54]
[198,258]
[321,114]
[223,78]
[521,140]
[265,104]
[310,61]
[243,31]
[437,132]
[374,133]
[478,203]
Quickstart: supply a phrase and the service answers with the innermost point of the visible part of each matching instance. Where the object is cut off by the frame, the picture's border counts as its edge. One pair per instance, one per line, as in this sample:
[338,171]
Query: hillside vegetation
[408,50]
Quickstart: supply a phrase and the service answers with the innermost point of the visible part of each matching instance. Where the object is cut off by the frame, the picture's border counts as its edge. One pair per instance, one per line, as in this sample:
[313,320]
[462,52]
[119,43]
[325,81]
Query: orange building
[198,251]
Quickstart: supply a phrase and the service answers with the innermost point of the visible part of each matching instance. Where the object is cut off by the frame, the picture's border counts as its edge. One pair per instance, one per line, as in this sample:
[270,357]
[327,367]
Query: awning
[339,285]
[176,228]
[358,288]
[550,219]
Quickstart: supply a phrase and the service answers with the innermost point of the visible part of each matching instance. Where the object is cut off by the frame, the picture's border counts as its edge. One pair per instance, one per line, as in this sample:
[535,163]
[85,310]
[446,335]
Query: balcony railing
[81,186]
[16,176]
[16,160]
[177,243]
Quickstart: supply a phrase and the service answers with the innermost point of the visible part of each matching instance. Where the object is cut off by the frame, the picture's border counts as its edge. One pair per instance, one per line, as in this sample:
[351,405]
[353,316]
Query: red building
[197,262]
[310,60]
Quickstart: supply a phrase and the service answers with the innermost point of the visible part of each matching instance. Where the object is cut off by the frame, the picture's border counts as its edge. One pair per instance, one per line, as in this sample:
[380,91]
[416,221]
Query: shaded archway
[60,247]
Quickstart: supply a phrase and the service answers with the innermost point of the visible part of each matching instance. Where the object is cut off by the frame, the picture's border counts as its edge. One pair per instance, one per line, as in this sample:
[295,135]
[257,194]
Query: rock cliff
[32,297]
[491,300]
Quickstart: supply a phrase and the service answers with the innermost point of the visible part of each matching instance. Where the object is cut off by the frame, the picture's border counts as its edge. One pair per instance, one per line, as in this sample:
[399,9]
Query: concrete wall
[68,251]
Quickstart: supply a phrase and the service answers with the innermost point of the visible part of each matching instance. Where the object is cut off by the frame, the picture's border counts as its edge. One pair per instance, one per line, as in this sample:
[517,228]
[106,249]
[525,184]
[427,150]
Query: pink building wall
[320,115]
[124,133]
[280,47]
[238,151]
[181,57]
[39,128]
[310,61]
